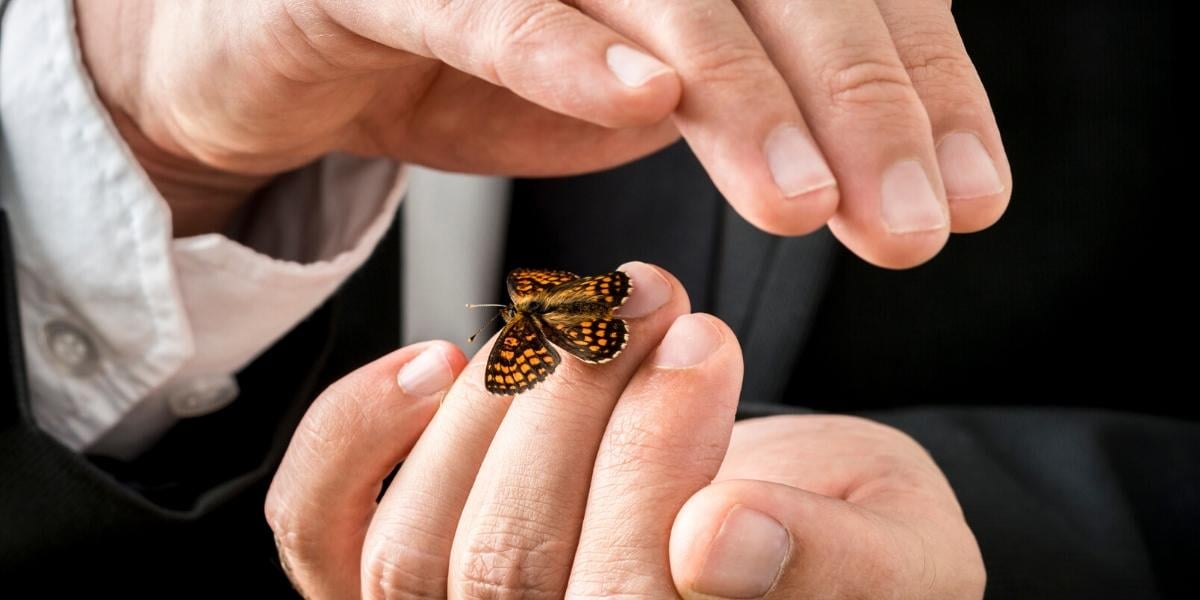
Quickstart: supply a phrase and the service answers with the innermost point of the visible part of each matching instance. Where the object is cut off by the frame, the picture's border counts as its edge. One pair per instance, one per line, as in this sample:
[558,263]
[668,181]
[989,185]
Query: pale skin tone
[218,96]
[608,480]
[866,115]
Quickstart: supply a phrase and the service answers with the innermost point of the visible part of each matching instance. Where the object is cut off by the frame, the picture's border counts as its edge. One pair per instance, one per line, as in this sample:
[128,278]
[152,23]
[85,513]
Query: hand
[825,506]
[569,488]
[572,488]
[216,96]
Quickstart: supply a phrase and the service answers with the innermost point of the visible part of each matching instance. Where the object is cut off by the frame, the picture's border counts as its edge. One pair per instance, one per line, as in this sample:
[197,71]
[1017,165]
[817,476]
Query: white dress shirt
[127,329]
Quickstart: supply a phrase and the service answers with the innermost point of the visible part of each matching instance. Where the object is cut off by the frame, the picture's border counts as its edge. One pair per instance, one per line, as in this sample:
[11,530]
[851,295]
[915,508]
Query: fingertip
[574,65]
[725,543]
[691,339]
[647,90]
[634,67]
[622,107]
[431,370]
[695,526]
[889,250]
[969,215]
[452,353]
[786,188]
[653,287]
[801,214]
[976,178]
[723,330]
[650,289]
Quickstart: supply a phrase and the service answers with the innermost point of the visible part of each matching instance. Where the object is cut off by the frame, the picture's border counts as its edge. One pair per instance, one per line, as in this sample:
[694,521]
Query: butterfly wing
[580,317]
[520,359]
[525,283]
[590,339]
[598,293]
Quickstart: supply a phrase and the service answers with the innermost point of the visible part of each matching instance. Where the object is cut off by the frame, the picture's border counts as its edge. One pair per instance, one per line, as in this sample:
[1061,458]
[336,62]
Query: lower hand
[576,487]
[866,114]
[825,506]
[569,488]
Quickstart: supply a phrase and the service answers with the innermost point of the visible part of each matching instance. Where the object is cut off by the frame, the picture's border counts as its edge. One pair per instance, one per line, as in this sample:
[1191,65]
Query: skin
[216,97]
[496,499]
[604,480]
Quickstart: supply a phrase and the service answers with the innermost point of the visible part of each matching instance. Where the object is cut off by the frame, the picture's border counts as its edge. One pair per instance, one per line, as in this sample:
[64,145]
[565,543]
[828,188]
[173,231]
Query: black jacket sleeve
[188,514]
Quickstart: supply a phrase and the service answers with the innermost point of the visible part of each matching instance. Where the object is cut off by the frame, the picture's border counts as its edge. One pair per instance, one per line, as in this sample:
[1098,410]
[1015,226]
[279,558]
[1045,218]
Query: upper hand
[867,114]
[598,482]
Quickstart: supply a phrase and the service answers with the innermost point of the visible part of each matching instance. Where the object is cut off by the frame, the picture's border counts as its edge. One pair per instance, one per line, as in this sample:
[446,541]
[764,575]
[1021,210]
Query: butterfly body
[560,308]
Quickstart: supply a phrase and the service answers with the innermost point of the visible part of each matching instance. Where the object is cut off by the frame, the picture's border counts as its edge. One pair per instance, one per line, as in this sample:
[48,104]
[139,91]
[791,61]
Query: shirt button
[202,395]
[70,348]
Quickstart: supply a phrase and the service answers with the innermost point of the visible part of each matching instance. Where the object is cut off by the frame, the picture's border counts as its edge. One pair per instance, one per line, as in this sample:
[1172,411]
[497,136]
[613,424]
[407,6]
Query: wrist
[112,38]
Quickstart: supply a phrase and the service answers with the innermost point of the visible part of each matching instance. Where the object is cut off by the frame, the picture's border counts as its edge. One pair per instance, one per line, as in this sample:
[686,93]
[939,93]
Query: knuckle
[341,410]
[725,61]
[324,429]
[524,24]
[632,446]
[275,513]
[867,82]
[295,547]
[582,390]
[870,431]
[284,523]
[618,584]
[934,58]
[584,386]
[618,570]
[636,444]
[512,556]
[520,47]
[442,6]
[397,568]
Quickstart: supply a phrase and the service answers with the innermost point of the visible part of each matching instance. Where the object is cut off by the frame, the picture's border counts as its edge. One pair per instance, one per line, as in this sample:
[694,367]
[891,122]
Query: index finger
[665,441]
[970,153]
[542,50]
[462,501]
[736,112]
[521,522]
[323,494]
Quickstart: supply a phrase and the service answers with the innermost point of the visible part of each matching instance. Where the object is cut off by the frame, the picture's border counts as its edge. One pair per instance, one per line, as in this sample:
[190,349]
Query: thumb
[755,539]
[545,51]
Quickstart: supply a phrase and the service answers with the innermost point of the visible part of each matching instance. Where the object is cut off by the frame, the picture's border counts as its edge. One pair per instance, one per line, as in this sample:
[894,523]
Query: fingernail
[795,163]
[967,169]
[633,67]
[909,202]
[691,339]
[426,374]
[650,290]
[745,556]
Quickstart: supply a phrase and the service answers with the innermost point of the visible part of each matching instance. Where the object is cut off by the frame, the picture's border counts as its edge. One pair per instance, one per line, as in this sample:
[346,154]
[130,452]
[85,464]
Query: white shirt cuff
[120,320]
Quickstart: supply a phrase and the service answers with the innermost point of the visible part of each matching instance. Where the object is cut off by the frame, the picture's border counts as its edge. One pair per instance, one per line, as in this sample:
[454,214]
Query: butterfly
[555,308]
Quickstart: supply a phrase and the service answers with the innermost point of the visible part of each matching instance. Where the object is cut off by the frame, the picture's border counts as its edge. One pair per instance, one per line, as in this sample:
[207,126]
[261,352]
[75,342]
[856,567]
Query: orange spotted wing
[574,313]
[520,359]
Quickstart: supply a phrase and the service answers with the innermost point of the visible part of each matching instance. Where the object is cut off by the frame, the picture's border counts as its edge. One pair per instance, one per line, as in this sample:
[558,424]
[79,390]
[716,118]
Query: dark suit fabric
[186,518]
[1027,358]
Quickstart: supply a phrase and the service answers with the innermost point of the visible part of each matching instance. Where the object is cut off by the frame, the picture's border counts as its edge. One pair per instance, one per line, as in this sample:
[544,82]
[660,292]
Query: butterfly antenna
[489,321]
